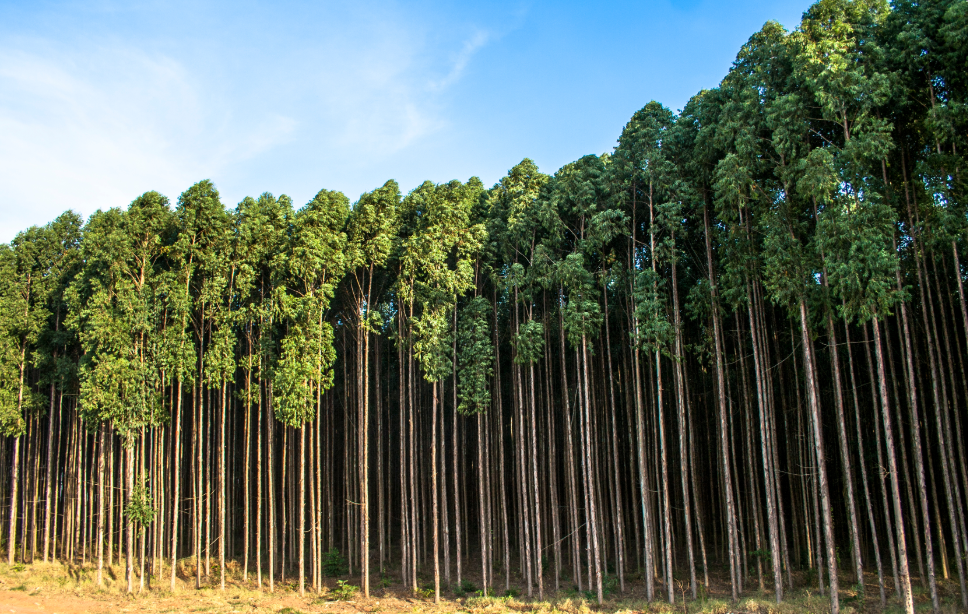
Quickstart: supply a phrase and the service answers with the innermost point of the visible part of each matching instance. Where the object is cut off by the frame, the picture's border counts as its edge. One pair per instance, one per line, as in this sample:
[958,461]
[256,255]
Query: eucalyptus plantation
[738,341]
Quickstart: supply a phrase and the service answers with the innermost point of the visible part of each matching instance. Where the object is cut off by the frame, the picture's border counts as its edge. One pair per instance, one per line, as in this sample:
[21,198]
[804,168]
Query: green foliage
[113,309]
[582,313]
[437,254]
[529,343]
[655,331]
[344,591]
[138,509]
[858,237]
[475,361]
[370,226]
[316,262]
[334,565]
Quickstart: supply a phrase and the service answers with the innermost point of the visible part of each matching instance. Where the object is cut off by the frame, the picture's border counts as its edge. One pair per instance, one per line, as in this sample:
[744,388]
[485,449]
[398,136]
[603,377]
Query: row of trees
[731,350]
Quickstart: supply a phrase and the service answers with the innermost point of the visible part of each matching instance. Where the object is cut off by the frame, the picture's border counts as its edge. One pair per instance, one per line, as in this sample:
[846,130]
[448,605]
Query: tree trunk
[814,400]
[176,457]
[129,525]
[434,494]
[221,494]
[904,575]
[100,506]
[863,469]
[723,429]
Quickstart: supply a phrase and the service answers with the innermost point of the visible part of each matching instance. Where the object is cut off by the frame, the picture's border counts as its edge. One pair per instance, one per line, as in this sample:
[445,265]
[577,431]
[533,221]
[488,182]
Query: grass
[74,587]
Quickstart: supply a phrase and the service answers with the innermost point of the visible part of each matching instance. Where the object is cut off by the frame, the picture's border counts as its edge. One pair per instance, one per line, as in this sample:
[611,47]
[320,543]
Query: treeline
[729,351]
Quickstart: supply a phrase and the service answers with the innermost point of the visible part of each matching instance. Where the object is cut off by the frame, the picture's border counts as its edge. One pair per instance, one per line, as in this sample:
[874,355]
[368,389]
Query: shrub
[344,591]
[334,564]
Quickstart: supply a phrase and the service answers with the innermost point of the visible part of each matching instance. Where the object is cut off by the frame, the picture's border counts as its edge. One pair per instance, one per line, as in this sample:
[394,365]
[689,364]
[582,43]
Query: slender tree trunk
[569,459]
[221,494]
[863,469]
[619,524]
[844,454]
[100,506]
[434,494]
[365,459]
[537,499]
[587,452]
[14,483]
[48,501]
[175,507]
[129,525]
[269,488]
[916,423]
[813,398]
[457,474]
[723,429]
[905,578]
[302,511]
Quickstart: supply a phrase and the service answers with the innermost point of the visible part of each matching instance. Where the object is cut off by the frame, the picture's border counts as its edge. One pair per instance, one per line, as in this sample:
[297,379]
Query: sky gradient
[102,101]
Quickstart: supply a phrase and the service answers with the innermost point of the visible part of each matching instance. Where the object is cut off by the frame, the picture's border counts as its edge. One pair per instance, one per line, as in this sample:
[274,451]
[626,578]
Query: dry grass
[69,589]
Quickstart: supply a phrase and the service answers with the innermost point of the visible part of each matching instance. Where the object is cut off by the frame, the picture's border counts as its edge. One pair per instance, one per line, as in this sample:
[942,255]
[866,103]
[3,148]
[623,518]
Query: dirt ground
[60,589]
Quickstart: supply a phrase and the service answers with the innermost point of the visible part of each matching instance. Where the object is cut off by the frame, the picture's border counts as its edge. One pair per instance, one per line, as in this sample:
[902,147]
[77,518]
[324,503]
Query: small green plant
[512,593]
[482,593]
[344,591]
[385,582]
[609,585]
[466,587]
[18,567]
[334,564]
[425,592]
[702,593]
[139,510]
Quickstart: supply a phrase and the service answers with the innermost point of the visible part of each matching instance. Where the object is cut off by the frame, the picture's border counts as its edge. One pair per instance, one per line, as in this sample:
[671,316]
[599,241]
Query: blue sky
[101,101]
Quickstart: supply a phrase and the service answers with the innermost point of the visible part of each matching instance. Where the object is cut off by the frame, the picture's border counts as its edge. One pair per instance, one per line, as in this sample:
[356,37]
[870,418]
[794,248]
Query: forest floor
[54,588]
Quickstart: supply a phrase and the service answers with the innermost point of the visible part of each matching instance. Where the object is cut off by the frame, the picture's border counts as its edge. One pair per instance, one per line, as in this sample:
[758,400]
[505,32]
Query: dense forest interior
[732,350]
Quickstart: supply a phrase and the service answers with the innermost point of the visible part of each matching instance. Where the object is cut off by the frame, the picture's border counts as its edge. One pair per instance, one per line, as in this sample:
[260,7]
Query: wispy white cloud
[91,122]
[93,129]
[471,45]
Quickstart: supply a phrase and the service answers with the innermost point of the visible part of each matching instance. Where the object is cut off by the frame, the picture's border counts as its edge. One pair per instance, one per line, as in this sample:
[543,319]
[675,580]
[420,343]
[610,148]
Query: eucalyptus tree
[259,241]
[201,234]
[475,368]
[519,220]
[24,316]
[370,235]
[835,61]
[926,93]
[695,138]
[586,220]
[113,313]
[648,175]
[219,367]
[315,264]
[517,216]
[858,240]
[748,180]
[56,355]
[437,267]
[581,320]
